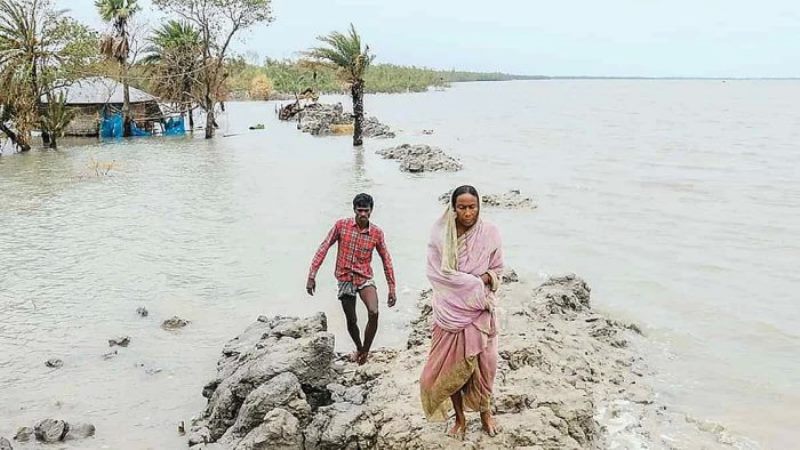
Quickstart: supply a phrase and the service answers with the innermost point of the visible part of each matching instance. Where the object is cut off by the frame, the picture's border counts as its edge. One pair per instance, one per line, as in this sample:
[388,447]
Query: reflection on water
[676,200]
[360,179]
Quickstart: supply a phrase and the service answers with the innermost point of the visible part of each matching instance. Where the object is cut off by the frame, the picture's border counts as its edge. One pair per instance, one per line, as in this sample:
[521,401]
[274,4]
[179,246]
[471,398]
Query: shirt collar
[354,224]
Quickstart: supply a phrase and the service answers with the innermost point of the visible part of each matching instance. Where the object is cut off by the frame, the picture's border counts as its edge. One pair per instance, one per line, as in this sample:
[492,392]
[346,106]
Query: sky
[651,38]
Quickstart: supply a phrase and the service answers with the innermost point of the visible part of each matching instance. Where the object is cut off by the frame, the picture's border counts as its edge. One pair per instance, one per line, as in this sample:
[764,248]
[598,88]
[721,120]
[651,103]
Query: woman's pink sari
[463,353]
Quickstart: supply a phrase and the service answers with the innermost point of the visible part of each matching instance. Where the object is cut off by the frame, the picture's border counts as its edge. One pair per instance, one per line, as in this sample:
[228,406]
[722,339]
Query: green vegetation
[172,61]
[55,118]
[294,76]
[290,76]
[344,54]
[392,78]
[186,61]
[41,50]
[116,46]
[219,22]
[459,76]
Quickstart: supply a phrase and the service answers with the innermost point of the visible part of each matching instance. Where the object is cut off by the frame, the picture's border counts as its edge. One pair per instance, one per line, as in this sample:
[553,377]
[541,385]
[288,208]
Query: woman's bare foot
[362,358]
[459,430]
[488,424]
[353,357]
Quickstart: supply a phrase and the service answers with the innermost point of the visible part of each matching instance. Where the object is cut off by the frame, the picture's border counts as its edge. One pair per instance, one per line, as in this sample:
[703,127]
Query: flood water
[678,201]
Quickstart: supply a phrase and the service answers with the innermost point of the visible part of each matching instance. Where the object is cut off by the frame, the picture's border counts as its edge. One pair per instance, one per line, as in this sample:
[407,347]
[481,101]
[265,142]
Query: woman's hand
[487,280]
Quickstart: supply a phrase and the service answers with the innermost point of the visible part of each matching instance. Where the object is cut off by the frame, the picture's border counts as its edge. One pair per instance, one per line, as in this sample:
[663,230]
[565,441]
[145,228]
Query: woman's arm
[496,265]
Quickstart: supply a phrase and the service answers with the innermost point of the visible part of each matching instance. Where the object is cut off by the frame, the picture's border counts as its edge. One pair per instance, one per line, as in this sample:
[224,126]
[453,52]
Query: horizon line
[516,77]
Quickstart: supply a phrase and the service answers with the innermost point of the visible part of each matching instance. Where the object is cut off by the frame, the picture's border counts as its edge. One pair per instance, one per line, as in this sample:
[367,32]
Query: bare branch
[136,39]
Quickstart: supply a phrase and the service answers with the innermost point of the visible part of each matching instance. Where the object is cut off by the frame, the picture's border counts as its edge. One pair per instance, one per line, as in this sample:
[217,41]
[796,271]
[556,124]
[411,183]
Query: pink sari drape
[463,355]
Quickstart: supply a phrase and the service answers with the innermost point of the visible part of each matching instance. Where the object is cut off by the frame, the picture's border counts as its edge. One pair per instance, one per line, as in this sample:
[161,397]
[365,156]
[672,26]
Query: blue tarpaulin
[174,126]
[112,127]
[136,131]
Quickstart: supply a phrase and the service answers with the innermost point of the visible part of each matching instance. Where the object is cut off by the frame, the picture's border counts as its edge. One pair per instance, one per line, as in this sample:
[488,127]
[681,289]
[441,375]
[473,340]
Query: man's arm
[319,257]
[388,270]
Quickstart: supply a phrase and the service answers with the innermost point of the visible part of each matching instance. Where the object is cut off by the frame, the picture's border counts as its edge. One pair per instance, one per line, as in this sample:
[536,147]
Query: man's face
[362,215]
[467,210]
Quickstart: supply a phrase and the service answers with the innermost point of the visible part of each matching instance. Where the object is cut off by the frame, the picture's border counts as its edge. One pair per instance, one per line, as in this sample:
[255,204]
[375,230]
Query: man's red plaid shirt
[354,255]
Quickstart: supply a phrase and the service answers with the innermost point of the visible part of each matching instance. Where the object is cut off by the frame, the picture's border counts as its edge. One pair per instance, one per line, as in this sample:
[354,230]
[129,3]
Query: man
[357,238]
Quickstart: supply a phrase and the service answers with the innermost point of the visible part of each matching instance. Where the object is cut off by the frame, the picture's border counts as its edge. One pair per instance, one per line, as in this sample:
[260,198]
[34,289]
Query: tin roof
[99,90]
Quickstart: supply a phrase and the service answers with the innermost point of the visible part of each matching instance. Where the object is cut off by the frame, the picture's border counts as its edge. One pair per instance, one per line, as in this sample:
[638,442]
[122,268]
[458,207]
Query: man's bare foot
[488,424]
[353,357]
[459,430]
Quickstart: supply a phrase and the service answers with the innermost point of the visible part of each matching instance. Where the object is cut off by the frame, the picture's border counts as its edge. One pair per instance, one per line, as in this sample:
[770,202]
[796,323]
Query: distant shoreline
[547,78]
[243,96]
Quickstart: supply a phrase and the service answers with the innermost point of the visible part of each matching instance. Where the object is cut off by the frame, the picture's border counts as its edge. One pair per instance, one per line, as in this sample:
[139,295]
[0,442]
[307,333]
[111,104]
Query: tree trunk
[211,123]
[187,100]
[357,91]
[53,144]
[45,137]
[21,145]
[126,105]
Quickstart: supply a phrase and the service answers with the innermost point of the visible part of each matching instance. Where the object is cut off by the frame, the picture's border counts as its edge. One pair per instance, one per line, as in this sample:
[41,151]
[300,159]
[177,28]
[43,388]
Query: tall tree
[346,54]
[116,46]
[218,21]
[41,50]
[174,57]
[19,67]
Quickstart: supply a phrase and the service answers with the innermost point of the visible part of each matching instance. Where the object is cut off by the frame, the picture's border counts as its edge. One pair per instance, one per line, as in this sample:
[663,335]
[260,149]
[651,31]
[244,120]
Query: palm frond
[57,116]
[344,52]
[115,10]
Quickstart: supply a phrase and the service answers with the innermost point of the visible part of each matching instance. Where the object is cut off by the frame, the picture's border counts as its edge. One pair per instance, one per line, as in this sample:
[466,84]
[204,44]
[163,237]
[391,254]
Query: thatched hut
[96,98]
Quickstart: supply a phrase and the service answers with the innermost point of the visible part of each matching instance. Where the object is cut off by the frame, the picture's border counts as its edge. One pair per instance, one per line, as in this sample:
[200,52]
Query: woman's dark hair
[466,189]
[363,201]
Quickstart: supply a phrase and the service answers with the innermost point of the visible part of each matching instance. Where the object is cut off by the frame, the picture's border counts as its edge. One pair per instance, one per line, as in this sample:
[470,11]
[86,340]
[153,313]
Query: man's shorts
[348,289]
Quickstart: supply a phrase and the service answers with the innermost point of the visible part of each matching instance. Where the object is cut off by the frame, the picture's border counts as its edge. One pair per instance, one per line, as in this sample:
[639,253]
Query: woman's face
[467,210]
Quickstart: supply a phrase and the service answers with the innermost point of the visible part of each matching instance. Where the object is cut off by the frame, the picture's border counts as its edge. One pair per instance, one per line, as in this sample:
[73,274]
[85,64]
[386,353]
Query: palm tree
[29,44]
[55,118]
[117,45]
[345,53]
[21,48]
[41,50]
[174,55]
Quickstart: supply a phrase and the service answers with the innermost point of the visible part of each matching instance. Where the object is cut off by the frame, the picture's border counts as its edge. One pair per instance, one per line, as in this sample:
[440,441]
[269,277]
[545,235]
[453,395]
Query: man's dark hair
[363,201]
[466,189]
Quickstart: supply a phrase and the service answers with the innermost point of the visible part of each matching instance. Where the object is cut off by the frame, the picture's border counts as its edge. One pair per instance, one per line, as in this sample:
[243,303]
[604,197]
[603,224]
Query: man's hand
[392,299]
[311,286]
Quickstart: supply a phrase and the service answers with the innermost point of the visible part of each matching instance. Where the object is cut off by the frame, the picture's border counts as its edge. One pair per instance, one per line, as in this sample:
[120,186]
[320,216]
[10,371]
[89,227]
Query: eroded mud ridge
[321,119]
[512,199]
[567,379]
[421,158]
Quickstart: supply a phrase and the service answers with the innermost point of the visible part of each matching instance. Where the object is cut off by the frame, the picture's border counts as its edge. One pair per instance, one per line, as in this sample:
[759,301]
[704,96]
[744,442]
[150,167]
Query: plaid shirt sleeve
[322,251]
[388,270]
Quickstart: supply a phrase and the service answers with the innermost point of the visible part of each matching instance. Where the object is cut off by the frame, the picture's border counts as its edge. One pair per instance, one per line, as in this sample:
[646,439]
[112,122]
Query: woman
[465,260]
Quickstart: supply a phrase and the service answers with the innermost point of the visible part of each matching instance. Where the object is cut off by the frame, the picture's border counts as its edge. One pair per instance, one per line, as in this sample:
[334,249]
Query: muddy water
[678,201]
